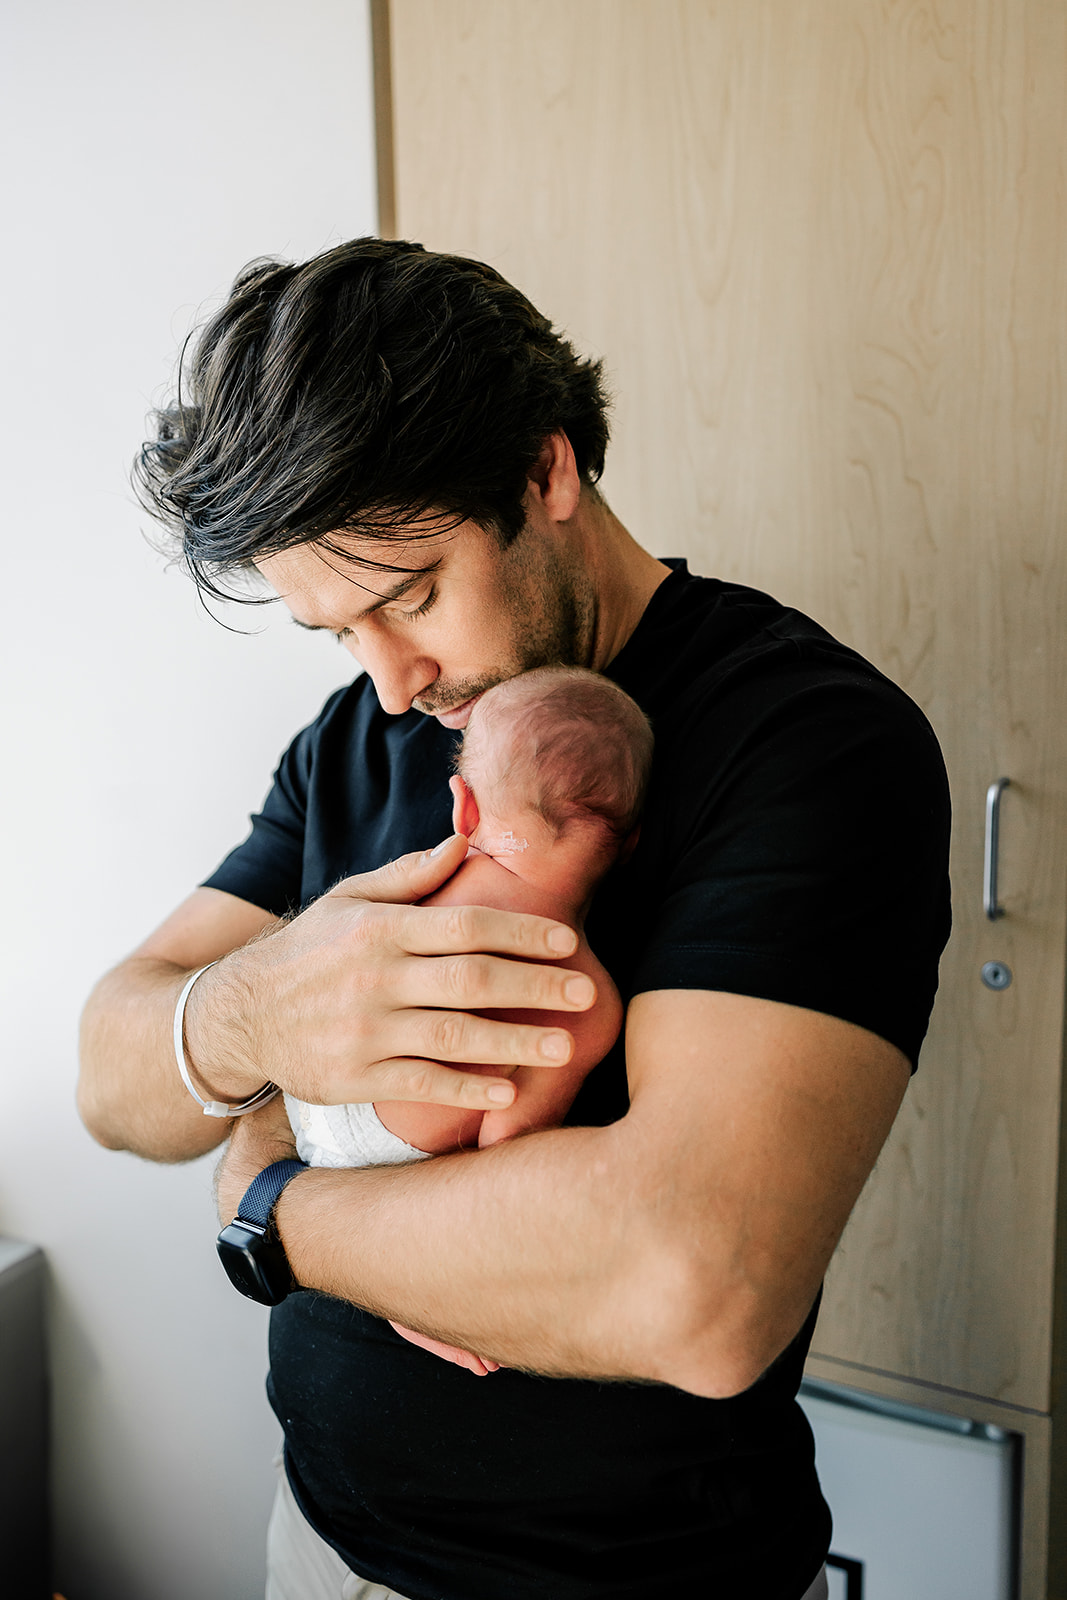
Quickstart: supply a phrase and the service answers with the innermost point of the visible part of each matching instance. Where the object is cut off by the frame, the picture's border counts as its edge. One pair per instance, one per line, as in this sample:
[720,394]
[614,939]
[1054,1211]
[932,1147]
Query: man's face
[470,615]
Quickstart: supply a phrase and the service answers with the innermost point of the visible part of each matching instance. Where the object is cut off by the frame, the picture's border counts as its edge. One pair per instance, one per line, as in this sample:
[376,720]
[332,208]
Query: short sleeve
[817,874]
[267,868]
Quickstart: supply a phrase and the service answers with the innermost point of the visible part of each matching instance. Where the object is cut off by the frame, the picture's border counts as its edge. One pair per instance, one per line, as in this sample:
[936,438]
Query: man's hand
[367,993]
[366,996]
[257,1140]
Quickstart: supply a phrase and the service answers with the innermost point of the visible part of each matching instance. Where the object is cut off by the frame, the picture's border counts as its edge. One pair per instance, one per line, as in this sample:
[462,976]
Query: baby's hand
[481,1366]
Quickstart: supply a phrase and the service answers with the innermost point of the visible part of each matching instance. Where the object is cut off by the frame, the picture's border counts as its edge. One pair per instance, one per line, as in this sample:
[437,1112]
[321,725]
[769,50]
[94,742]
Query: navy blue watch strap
[260,1196]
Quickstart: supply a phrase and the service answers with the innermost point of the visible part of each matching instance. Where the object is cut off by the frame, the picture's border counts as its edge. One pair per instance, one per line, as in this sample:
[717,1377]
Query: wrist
[313,1211]
[212,1040]
[250,1248]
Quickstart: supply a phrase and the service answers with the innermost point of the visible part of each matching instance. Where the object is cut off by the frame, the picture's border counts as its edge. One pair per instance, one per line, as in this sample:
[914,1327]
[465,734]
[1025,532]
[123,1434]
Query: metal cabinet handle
[992,848]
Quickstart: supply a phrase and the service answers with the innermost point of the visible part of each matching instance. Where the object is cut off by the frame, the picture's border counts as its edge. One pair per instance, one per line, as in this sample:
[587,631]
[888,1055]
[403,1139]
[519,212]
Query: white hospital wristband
[211,1108]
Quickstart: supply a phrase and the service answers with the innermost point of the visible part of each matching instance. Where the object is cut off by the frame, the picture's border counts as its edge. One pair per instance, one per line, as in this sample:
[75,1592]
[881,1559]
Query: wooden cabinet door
[822,248]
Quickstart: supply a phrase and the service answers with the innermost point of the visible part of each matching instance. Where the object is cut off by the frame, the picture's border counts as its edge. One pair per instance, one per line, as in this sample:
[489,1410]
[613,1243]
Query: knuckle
[420,1082]
[359,1029]
[375,926]
[471,1091]
[522,1045]
[383,919]
[460,924]
[446,1035]
[466,976]
[532,935]
[362,928]
[362,977]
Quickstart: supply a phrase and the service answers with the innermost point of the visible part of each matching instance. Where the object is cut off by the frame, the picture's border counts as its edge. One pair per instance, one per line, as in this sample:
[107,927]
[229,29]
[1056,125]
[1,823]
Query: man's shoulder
[725,654]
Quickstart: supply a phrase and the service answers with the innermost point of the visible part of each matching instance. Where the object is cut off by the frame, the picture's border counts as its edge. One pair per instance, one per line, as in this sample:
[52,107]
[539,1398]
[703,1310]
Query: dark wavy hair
[371,390]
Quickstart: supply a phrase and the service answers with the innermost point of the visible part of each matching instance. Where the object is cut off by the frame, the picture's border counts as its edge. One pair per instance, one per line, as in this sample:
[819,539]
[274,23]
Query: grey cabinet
[24,1553]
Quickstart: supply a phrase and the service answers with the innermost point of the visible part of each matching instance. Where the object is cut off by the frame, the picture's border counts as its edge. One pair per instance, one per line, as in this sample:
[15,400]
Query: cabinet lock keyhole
[995,975]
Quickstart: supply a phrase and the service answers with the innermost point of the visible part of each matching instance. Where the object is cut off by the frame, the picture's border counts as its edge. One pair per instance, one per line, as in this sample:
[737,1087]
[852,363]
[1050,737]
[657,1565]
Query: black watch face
[255,1265]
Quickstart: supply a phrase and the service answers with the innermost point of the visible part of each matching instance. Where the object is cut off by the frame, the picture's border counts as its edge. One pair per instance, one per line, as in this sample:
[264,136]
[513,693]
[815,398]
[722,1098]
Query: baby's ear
[465,815]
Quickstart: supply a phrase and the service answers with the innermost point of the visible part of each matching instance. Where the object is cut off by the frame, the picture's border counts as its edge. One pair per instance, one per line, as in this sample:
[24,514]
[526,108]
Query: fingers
[444,930]
[391,986]
[487,983]
[411,1078]
[456,1036]
[408,878]
[441,930]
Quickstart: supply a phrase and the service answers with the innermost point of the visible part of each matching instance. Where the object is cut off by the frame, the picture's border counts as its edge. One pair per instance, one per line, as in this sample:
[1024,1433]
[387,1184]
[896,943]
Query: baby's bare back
[544,1093]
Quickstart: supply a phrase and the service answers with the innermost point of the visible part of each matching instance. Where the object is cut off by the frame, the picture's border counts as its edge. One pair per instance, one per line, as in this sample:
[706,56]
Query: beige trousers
[301,1566]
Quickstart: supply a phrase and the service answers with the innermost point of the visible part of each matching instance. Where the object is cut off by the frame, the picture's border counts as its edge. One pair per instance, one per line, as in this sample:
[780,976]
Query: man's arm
[362,997]
[130,1095]
[683,1244]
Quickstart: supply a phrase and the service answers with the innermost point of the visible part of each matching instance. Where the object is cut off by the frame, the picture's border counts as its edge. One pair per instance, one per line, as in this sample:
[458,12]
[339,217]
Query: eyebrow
[397,592]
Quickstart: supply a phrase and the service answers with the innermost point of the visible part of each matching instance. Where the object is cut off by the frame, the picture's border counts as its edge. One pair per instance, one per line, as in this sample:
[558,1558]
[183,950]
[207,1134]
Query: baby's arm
[543,1100]
[437,1129]
[544,1095]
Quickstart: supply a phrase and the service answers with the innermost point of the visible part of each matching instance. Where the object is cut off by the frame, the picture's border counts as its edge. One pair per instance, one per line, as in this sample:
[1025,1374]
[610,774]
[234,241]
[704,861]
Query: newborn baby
[551,777]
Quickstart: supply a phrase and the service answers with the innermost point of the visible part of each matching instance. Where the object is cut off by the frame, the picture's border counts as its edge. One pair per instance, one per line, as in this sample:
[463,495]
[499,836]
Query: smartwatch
[250,1249]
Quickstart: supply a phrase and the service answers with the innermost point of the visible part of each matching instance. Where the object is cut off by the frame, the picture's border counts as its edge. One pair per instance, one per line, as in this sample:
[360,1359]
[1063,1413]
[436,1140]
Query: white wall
[153,150]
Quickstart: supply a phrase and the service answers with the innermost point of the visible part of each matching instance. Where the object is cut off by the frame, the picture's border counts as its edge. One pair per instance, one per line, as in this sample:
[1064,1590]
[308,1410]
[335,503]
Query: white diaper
[346,1136]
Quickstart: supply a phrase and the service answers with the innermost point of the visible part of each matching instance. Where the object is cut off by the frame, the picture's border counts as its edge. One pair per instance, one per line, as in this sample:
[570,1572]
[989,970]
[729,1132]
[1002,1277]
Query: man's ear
[629,843]
[465,814]
[553,478]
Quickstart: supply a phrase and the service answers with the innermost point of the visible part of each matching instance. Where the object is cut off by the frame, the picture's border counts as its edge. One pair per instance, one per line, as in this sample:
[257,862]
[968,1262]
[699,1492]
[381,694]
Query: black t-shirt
[794,848]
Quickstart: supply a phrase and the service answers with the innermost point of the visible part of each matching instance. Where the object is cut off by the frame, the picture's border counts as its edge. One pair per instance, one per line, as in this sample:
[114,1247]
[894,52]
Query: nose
[398,675]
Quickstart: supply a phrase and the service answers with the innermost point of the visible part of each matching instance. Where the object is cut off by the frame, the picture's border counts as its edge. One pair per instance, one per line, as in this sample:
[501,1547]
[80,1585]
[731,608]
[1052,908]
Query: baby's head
[554,759]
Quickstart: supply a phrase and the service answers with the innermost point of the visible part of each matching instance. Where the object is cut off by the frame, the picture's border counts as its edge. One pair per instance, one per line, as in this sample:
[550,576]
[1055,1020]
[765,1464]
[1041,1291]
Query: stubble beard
[559,633]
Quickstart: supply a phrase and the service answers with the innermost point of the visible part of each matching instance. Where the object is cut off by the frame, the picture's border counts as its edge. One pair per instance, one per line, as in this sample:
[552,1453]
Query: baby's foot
[481,1366]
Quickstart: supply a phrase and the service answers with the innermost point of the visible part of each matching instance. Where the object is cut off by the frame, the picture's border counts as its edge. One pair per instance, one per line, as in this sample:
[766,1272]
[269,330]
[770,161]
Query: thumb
[408,878]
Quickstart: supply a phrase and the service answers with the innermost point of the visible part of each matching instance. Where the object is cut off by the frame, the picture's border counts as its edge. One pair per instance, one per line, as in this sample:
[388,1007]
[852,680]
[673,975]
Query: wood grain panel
[385,164]
[821,247]
[951,352]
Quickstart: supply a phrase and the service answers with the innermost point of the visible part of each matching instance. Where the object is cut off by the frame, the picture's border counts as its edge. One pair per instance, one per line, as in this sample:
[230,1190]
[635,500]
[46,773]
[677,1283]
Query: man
[407,453]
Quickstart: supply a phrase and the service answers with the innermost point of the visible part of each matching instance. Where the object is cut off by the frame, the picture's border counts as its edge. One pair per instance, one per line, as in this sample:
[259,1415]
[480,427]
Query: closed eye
[420,611]
[409,616]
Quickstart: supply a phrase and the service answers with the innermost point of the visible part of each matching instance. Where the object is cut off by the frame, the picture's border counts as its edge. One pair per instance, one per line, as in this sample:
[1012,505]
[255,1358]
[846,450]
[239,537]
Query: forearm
[335,1005]
[541,1253]
[130,1094]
